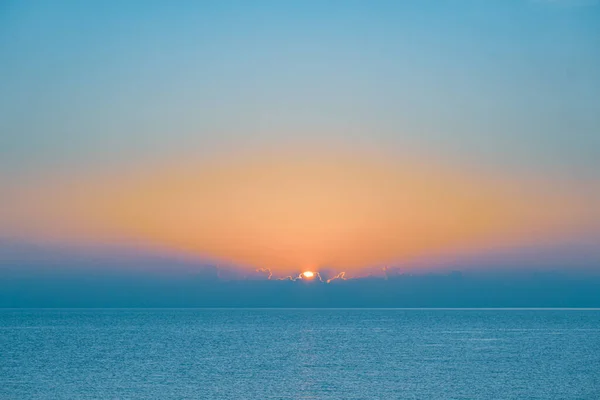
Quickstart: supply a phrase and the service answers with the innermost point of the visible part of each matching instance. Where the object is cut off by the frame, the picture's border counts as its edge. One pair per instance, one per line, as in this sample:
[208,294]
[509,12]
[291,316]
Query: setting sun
[308,274]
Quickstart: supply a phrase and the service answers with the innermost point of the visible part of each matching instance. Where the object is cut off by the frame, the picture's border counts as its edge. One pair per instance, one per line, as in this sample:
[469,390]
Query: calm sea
[299,354]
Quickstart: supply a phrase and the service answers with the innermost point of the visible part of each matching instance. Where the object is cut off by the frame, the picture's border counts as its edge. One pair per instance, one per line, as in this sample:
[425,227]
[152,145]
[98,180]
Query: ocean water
[299,354]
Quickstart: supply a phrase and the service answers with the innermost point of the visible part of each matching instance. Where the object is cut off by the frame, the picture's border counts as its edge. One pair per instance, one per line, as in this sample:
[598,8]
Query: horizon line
[319,308]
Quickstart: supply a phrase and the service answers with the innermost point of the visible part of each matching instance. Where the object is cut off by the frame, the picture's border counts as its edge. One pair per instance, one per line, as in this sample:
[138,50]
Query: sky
[268,138]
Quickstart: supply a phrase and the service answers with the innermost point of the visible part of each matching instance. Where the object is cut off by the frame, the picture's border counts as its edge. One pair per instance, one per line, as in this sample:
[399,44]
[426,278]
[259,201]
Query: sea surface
[299,354]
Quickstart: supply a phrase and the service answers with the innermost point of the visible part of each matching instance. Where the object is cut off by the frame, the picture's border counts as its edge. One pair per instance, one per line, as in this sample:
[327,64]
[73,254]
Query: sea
[299,354]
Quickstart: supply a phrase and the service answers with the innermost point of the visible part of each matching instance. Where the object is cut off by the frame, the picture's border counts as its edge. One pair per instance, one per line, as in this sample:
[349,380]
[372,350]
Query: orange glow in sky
[291,210]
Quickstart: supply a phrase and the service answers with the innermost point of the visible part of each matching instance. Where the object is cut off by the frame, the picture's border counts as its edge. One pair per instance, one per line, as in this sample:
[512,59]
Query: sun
[308,274]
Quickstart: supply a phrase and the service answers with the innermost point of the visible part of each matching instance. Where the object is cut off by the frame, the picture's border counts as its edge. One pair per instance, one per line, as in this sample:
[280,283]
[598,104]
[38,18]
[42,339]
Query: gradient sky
[304,135]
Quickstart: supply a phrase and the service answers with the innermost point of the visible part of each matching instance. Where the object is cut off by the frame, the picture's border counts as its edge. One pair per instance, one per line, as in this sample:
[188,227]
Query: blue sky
[511,83]
[497,101]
